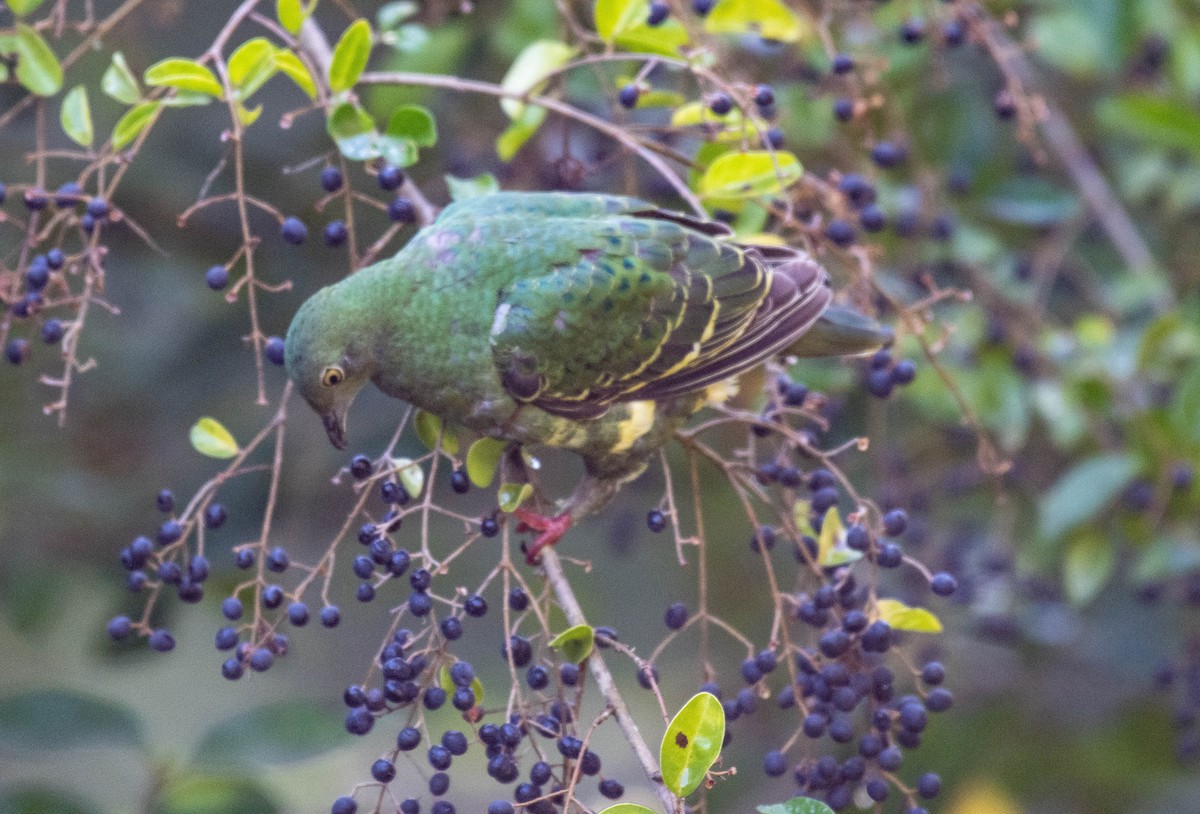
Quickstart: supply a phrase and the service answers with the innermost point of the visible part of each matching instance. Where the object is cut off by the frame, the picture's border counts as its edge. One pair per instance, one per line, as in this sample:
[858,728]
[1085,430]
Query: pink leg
[551,528]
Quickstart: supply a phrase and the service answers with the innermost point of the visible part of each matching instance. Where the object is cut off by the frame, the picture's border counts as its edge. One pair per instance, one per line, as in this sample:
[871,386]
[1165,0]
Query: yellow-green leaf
[529,70]
[251,65]
[350,56]
[749,175]
[770,19]
[293,13]
[483,457]
[296,70]
[183,74]
[615,17]
[797,805]
[628,808]
[76,117]
[133,123]
[37,67]
[512,495]
[22,7]
[575,643]
[410,475]
[903,617]
[831,543]
[1088,565]
[666,38]
[119,82]
[248,116]
[510,142]
[429,426]
[413,123]
[209,437]
[692,743]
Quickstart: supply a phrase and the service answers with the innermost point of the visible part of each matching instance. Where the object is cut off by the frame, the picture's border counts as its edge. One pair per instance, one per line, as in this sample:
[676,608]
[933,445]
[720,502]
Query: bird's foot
[552,529]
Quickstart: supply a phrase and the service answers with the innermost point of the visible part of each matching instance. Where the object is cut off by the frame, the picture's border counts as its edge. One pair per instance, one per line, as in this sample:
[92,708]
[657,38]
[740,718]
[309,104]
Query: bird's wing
[651,305]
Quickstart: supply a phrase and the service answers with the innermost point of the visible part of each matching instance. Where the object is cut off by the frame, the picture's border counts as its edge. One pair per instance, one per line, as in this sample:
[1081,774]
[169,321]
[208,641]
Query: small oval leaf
[414,123]
[769,19]
[628,808]
[293,13]
[1080,494]
[1088,565]
[483,458]
[903,617]
[133,123]
[692,743]
[37,67]
[410,474]
[210,438]
[796,805]
[529,70]
[60,719]
[119,82]
[282,732]
[182,74]
[214,794]
[429,427]
[750,175]
[575,643]
[350,56]
[297,71]
[76,117]
[511,495]
[251,65]
[23,7]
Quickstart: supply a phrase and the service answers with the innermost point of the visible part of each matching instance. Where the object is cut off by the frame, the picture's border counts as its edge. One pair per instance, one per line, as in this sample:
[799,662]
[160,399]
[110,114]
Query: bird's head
[328,358]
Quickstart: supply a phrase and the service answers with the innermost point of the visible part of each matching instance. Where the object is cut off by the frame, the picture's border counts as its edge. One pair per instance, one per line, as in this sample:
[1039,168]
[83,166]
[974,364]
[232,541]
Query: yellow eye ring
[333,376]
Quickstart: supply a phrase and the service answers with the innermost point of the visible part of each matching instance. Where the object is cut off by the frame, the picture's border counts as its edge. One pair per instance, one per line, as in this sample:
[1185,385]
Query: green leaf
[133,123]
[76,117]
[248,116]
[666,38]
[1087,566]
[293,13]
[410,475]
[1168,557]
[1162,122]
[615,17]
[182,74]
[215,794]
[414,123]
[353,130]
[463,188]
[210,438]
[769,19]
[282,732]
[449,686]
[61,719]
[119,82]
[903,617]
[831,543]
[529,70]
[42,800]
[398,151]
[1032,202]
[750,175]
[1185,406]
[37,67]
[692,743]
[628,808]
[251,65]
[296,70]
[23,7]
[391,15]
[694,113]
[350,56]
[510,142]
[511,495]
[575,643]
[1081,493]
[429,426]
[483,457]
[796,805]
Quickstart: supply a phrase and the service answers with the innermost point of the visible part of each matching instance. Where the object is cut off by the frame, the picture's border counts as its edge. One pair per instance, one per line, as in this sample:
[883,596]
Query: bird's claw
[552,529]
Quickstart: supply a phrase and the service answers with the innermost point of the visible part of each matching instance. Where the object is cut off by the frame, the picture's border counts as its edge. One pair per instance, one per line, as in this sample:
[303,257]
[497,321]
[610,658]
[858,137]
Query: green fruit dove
[592,323]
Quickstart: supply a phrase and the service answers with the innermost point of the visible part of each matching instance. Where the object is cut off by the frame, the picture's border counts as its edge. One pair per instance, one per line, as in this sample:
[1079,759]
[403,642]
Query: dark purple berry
[390,177]
[904,372]
[895,522]
[16,350]
[331,179]
[335,233]
[293,231]
[720,103]
[676,616]
[656,520]
[401,210]
[162,641]
[887,154]
[628,96]
[843,109]
[943,584]
[216,278]
[840,232]
[274,350]
[912,31]
[659,11]
[842,64]
[764,96]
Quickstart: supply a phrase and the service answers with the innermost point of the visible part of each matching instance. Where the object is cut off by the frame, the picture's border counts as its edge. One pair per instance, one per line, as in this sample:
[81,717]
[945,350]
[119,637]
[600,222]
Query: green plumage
[541,317]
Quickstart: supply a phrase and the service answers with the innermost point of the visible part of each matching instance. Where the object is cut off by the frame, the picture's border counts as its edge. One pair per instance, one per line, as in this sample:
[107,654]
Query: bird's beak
[335,427]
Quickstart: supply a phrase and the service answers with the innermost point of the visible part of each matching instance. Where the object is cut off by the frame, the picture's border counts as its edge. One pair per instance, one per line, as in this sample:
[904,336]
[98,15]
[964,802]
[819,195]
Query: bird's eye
[332,376]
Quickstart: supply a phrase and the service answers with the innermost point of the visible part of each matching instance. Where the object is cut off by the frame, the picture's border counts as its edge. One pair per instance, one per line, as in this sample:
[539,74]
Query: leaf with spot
[575,643]
[182,74]
[750,175]
[209,437]
[131,125]
[796,805]
[692,743]
[350,56]
[76,117]
[119,82]
[769,19]
[38,70]
[510,496]
[904,617]
[483,458]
